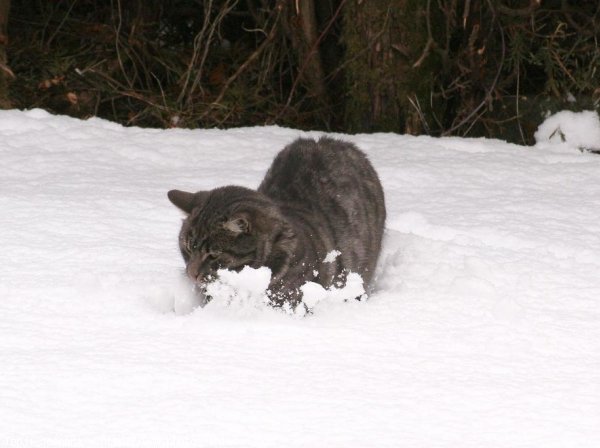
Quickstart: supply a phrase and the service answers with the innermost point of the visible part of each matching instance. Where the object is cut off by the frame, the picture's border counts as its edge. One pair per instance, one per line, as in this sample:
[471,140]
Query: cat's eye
[197,244]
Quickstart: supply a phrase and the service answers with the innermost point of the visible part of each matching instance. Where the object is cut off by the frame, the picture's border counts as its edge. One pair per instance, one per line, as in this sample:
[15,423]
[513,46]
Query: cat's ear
[237,225]
[183,200]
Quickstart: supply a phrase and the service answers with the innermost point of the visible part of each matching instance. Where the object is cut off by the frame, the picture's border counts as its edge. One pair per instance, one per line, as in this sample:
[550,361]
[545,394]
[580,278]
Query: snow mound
[577,129]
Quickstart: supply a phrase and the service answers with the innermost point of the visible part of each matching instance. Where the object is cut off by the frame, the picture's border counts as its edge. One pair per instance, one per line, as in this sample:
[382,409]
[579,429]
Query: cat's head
[226,228]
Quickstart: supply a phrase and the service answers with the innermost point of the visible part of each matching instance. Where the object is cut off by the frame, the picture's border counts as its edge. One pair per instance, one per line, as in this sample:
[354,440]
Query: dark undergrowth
[438,67]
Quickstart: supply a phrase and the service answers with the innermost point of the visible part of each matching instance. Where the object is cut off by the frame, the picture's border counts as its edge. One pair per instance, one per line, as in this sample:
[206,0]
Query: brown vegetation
[440,67]
[5,71]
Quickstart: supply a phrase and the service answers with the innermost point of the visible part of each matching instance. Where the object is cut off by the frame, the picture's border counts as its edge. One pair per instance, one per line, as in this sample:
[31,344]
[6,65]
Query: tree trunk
[312,55]
[5,71]
[302,29]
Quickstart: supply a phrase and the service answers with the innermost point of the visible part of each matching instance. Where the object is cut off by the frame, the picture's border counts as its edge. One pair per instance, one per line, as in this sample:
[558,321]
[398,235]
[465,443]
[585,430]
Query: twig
[306,60]
[243,67]
[117,44]
[488,94]
[430,41]
[6,69]
[415,103]
[62,22]
[222,13]
[517,104]
[197,39]
[523,12]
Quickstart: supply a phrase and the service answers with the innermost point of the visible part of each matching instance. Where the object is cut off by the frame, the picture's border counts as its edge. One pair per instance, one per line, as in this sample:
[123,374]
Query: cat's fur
[316,197]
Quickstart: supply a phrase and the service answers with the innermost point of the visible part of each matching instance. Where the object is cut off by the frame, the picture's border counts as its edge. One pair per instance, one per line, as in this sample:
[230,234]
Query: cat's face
[218,233]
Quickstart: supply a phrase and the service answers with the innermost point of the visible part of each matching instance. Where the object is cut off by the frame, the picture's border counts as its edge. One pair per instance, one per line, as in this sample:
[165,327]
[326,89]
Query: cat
[318,199]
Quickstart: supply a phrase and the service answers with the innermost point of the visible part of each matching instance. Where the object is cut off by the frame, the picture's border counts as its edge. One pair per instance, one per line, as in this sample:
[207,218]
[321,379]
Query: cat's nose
[198,270]
[197,278]
[197,274]
[193,271]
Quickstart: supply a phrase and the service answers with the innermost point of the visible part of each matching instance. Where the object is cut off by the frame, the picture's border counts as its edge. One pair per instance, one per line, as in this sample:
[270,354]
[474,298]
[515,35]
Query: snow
[314,294]
[579,129]
[483,329]
[246,289]
[331,256]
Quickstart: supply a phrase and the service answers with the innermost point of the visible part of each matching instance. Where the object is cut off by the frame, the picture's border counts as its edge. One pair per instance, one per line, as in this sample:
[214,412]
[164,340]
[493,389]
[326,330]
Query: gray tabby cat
[317,197]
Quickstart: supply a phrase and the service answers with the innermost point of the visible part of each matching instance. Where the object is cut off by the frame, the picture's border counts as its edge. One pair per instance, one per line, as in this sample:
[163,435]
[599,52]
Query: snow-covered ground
[483,330]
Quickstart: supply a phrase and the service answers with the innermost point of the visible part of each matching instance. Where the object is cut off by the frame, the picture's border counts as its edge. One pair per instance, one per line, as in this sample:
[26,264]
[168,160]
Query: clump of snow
[243,290]
[247,290]
[576,129]
[331,256]
[313,293]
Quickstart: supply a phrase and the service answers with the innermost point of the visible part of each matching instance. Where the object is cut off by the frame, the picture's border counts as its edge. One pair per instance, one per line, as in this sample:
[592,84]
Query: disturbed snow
[483,329]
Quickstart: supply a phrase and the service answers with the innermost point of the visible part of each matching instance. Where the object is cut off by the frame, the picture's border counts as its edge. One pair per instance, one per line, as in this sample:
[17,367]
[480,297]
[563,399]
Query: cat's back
[308,170]
[330,187]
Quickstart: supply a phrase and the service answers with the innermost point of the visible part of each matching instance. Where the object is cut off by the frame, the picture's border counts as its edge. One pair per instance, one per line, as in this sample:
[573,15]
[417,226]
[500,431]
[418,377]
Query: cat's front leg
[281,296]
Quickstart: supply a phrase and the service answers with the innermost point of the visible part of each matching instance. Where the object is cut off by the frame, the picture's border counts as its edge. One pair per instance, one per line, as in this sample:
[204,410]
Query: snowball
[578,129]
[244,289]
[313,293]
